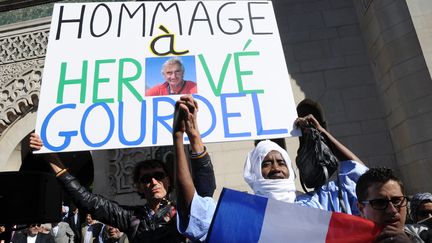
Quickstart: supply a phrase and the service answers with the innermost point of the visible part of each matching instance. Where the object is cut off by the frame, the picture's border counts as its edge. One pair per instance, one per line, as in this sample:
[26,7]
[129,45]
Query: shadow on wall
[328,63]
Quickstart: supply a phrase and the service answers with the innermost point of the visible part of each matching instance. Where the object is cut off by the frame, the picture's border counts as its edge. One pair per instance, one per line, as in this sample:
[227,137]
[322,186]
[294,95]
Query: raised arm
[202,168]
[195,209]
[53,159]
[342,152]
[102,209]
[183,116]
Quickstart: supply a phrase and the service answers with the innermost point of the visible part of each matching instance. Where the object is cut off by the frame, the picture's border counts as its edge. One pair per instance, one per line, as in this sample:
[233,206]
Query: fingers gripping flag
[242,217]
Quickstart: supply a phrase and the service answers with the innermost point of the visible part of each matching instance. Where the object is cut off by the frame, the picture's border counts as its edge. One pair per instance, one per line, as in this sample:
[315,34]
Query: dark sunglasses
[35,225]
[147,178]
[382,204]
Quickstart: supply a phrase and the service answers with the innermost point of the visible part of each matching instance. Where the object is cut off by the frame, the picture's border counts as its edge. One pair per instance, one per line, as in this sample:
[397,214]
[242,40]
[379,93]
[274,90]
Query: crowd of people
[69,230]
[376,194]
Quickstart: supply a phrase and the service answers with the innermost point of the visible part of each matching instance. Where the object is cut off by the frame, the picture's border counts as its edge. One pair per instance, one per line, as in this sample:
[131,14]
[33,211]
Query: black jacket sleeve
[102,209]
[203,176]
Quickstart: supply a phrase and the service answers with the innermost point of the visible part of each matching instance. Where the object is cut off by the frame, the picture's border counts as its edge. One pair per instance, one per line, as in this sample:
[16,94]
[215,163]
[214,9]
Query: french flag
[242,217]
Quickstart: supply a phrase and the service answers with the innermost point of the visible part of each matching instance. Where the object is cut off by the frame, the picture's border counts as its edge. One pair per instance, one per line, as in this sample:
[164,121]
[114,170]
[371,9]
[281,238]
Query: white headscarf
[279,189]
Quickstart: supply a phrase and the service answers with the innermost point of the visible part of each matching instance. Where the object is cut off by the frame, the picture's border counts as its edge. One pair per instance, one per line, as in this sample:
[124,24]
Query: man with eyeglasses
[153,222]
[381,199]
[32,235]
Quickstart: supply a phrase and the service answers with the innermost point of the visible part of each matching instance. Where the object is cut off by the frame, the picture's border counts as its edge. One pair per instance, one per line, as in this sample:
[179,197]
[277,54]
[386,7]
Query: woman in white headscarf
[269,172]
[196,211]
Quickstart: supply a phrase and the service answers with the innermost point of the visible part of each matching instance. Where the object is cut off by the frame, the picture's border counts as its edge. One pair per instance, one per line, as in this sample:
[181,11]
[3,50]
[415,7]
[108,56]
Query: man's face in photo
[173,74]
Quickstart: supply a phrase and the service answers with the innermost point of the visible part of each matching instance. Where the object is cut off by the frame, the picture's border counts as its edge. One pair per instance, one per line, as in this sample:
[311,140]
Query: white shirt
[55,230]
[88,235]
[31,239]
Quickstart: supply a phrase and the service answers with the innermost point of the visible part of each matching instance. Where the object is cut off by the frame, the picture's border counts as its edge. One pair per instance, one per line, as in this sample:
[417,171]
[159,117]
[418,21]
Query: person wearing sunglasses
[156,220]
[31,234]
[381,199]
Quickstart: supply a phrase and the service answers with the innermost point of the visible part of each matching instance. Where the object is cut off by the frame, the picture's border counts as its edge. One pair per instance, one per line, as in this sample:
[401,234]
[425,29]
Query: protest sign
[103,57]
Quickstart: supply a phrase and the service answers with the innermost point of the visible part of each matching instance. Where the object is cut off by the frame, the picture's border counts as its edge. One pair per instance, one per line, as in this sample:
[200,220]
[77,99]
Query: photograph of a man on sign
[173,75]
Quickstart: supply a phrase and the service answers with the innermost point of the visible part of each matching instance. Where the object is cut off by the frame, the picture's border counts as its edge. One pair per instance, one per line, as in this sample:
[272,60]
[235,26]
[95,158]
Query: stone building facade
[367,62]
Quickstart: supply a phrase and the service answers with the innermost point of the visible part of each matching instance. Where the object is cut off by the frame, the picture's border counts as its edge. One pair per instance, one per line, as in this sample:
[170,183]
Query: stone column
[400,63]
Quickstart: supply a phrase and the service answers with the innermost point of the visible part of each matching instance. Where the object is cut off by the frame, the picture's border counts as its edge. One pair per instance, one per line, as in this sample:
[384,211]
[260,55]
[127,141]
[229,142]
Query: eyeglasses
[382,203]
[35,225]
[147,178]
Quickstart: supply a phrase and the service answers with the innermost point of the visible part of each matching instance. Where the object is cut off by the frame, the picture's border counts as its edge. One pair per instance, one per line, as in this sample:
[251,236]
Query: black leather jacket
[134,221]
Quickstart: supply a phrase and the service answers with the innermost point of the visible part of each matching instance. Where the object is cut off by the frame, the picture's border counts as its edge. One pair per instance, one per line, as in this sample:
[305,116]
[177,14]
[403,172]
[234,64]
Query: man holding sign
[105,97]
[153,222]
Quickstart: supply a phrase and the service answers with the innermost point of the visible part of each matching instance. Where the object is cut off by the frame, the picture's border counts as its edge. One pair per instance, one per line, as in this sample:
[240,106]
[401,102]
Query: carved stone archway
[22,52]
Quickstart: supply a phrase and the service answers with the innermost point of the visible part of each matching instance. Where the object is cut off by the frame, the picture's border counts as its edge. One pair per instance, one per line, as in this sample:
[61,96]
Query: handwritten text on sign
[102,57]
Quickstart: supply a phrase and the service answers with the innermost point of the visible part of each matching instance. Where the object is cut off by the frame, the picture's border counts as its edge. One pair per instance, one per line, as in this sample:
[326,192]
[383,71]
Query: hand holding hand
[185,121]
[185,117]
[191,124]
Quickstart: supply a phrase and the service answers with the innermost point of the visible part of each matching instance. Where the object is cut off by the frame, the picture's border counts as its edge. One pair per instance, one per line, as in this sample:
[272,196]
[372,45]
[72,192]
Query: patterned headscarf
[417,200]
[279,189]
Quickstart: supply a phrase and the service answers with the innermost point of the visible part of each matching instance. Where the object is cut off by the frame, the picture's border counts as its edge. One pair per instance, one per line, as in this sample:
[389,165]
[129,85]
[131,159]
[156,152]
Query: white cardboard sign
[102,57]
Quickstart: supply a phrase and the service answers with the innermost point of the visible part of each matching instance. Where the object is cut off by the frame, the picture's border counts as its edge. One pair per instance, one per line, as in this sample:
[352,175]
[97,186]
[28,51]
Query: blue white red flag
[242,217]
